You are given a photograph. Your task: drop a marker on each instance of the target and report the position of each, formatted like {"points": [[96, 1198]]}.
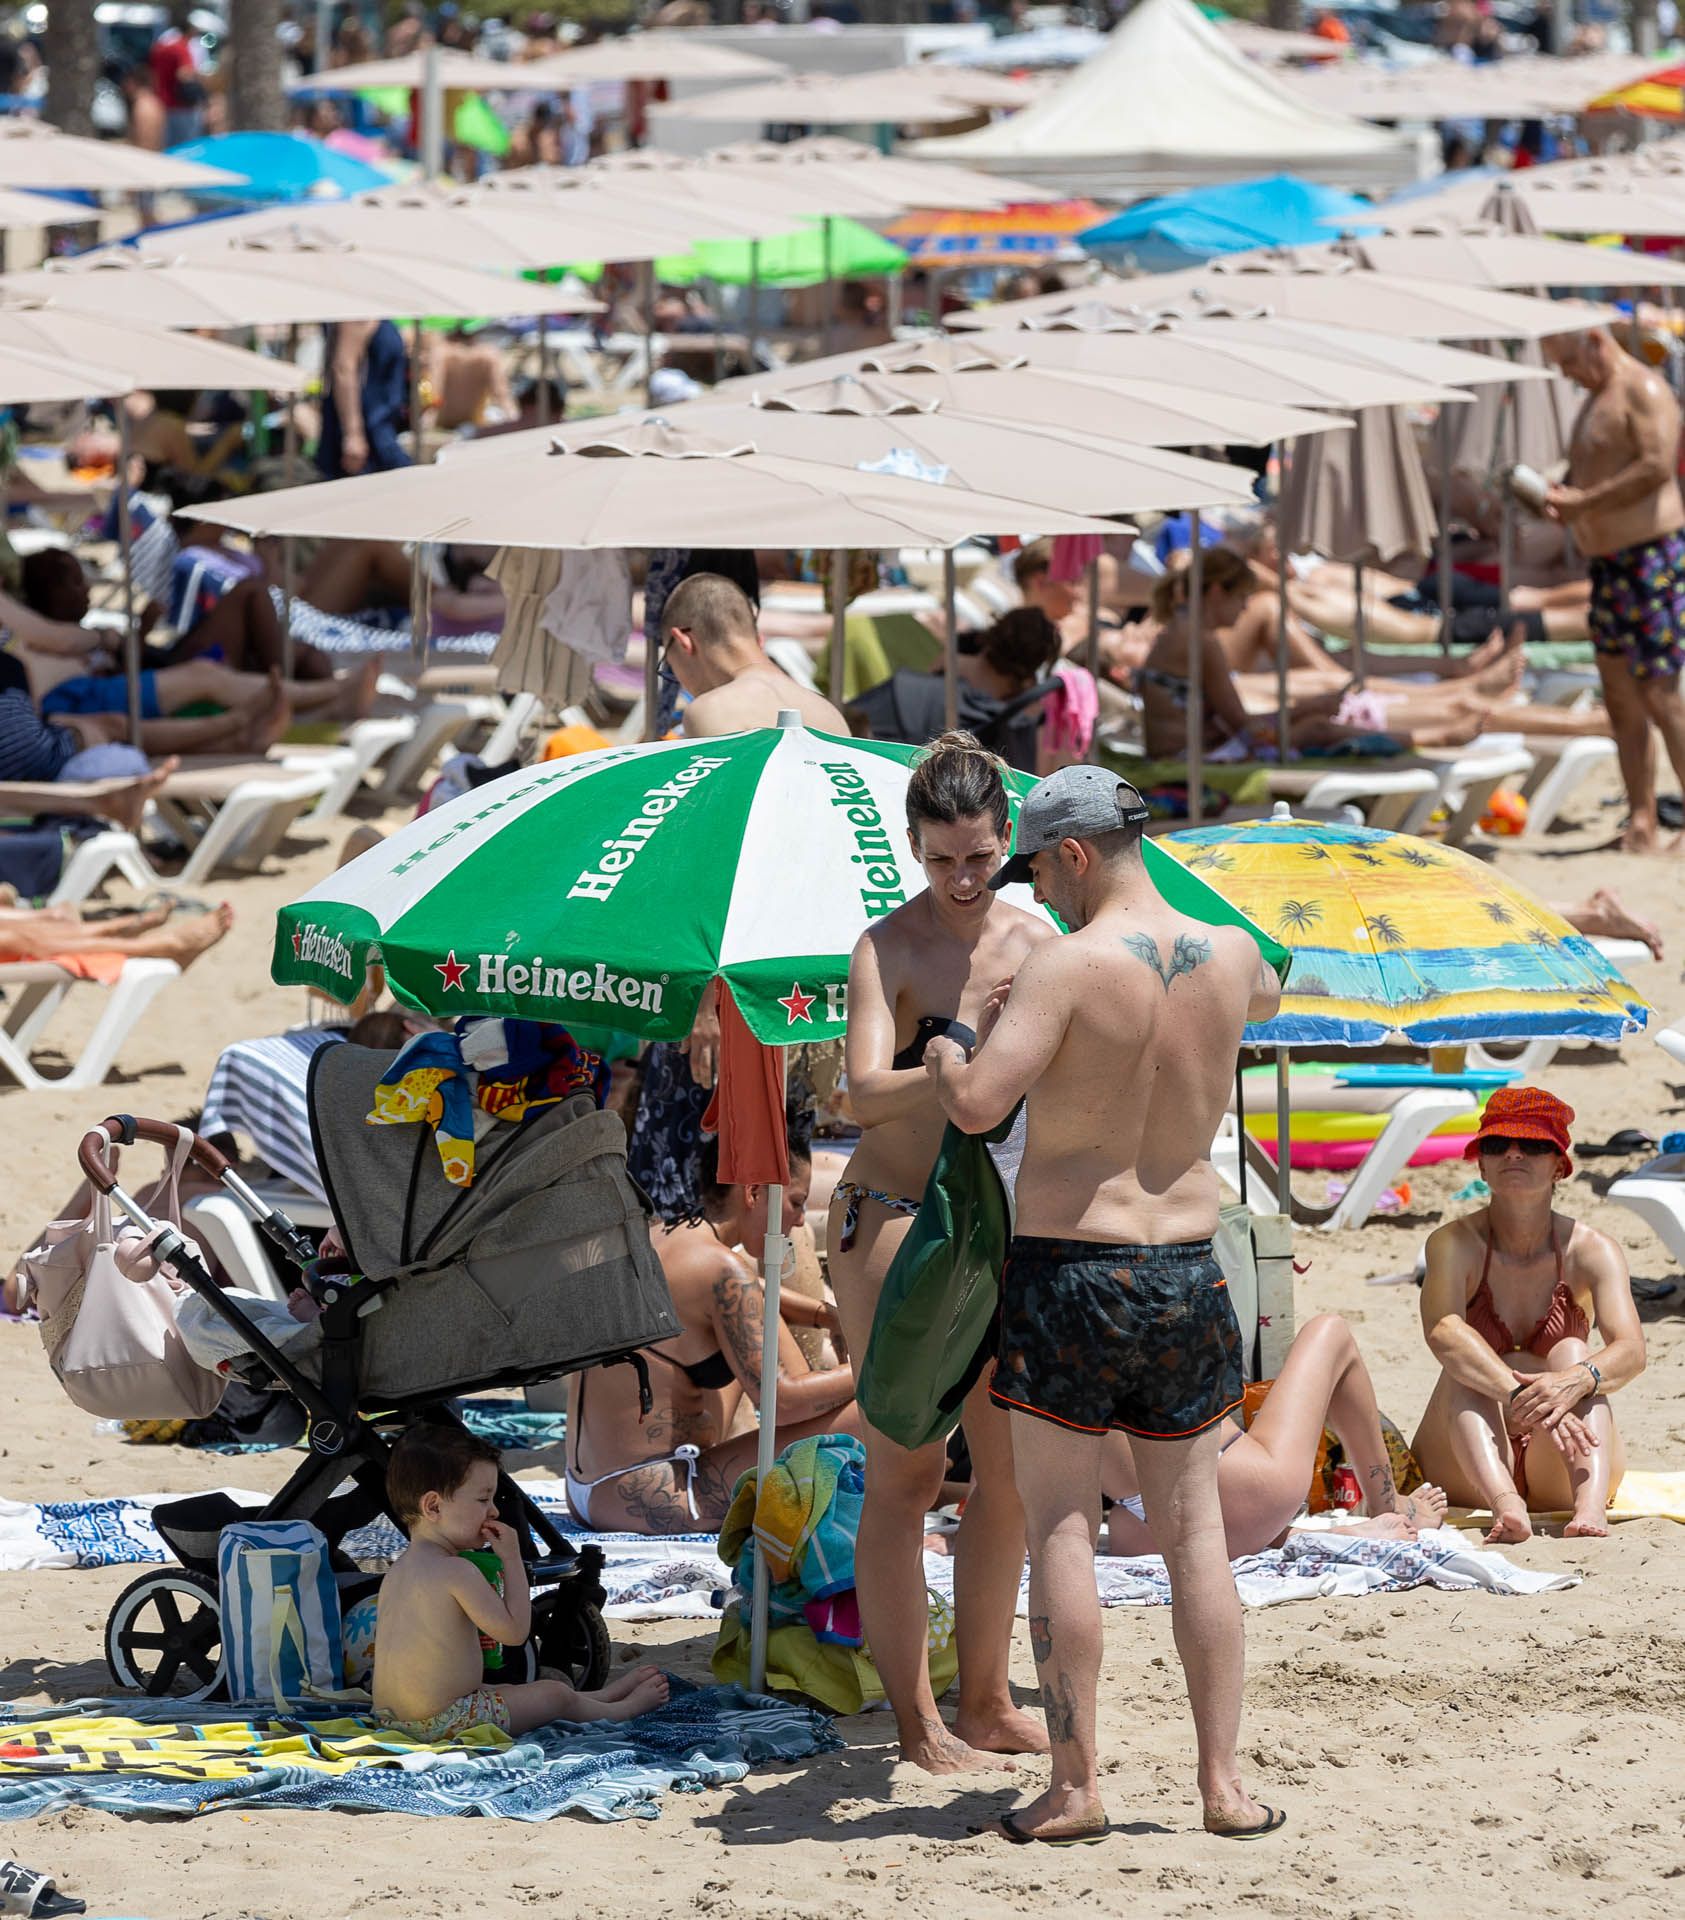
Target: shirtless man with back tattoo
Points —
{"points": [[1624, 510], [1114, 1313]]}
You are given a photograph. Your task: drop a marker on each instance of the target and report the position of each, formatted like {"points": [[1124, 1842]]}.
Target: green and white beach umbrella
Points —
{"points": [[610, 888]]}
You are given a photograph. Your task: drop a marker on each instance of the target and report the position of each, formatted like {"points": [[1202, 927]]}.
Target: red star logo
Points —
{"points": [[298, 941], [798, 1005], [452, 970]]}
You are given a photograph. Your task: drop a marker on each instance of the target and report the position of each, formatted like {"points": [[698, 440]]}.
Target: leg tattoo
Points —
{"points": [[1041, 1638], [1059, 1703]]}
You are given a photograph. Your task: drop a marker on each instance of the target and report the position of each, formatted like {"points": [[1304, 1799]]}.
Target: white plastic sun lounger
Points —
{"points": [[34, 990], [1562, 765], [1656, 1192]]}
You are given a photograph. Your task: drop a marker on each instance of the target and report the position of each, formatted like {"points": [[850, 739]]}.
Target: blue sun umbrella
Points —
{"points": [[282, 166]]}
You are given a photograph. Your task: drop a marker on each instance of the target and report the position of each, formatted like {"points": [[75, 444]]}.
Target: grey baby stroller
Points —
{"points": [[541, 1267]]}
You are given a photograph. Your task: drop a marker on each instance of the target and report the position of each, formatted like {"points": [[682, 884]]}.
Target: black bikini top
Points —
{"points": [[931, 1026], [710, 1374]]}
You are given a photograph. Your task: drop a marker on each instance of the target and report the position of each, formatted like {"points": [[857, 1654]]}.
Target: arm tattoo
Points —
{"points": [[1041, 1638], [1189, 951], [737, 1315], [1059, 1703]]}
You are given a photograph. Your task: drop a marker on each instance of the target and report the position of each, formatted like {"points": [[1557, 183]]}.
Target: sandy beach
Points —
{"points": [[1438, 1754]]}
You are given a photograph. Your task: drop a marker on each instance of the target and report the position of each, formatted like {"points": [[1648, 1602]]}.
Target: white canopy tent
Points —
{"points": [[1171, 102]]}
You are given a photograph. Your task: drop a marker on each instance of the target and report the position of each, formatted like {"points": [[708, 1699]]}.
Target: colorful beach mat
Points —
{"points": [[121, 1759]]}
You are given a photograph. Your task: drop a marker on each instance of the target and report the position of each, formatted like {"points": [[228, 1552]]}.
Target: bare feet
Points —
{"points": [[1588, 1523], [936, 1749], [628, 1682], [1059, 1814], [1604, 916], [268, 718], [648, 1691], [1425, 1507], [1642, 834], [1381, 1526], [1510, 1524], [358, 690], [125, 807], [1005, 1729], [195, 934]]}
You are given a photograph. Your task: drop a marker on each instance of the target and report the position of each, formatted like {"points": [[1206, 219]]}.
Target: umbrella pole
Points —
{"points": [[418, 433], [1091, 645], [1281, 722], [1283, 1135], [754, 313], [289, 456], [126, 535], [652, 680], [1196, 671], [432, 117], [1359, 669], [777, 1250], [839, 626], [1442, 432], [950, 645], [543, 369], [827, 330], [1506, 530], [649, 331]]}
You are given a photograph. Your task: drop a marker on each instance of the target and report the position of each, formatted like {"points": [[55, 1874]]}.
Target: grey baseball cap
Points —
{"points": [[1076, 803]]}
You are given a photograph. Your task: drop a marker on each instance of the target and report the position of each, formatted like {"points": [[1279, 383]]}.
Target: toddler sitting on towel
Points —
{"points": [[437, 1609]]}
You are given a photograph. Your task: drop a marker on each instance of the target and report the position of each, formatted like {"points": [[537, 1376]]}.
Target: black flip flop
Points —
{"points": [[1274, 1821], [1021, 1838], [23, 1890]]}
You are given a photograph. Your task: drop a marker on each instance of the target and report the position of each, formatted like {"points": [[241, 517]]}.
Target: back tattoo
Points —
{"points": [[1188, 952]]}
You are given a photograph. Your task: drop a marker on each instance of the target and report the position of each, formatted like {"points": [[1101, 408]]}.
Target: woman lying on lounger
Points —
{"points": [[1264, 1471], [672, 1470], [1520, 1421]]}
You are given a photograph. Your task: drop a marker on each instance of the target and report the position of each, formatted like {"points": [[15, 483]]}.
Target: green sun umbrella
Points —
{"points": [[611, 887]]}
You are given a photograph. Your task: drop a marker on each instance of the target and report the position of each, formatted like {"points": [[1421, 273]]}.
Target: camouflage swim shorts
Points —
{"points": [[1094, 1337]]}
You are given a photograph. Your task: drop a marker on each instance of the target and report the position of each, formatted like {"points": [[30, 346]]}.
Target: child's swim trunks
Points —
{"points": [[1094, 1337], [484, 1707]]}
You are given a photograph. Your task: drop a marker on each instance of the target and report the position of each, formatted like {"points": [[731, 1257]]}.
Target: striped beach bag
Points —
{"points": [[281, 1638]]}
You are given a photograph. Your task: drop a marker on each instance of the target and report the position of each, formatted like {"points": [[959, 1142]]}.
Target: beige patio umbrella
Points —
{"points": [[33, 154], [143, 357], [23, 210], [1218, 357], [1361, 498], [28, 379], [672, 200], [648, 56], [875, 423], [1641, 206], [797, 192], [905, 185], [972, 377], [826, 100], [1483, 254], [456, 73], [649, 484]]}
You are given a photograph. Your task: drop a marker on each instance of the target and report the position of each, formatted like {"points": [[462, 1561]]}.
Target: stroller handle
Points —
{"points": [[124, 1129]]}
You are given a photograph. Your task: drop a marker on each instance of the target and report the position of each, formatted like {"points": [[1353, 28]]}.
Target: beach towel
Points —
{"points": [[258, 1089], [806, 1517], [96, 1754]]}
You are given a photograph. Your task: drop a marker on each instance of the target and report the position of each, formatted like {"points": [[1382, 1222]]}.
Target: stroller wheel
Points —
{"points": [[164, 1636], [573, 1641]]}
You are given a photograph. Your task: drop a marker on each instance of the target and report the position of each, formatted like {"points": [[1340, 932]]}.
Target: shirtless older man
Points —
{"points": [[712, 644], [1114, 1313], [1624, 509]]}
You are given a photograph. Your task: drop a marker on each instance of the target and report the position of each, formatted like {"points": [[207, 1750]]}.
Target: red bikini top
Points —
{"points": [[1564, 1317]]}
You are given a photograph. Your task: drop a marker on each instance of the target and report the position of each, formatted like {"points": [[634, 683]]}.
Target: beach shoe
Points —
{"points": [[1274, 1820], [23, 1890], [1020, 1837]]}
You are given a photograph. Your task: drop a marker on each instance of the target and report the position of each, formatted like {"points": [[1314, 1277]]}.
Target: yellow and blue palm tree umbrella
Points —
{"points": [[1396, 936]]}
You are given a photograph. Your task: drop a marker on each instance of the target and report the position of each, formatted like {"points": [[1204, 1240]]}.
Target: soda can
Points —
{"points": [[1347, 1490]]}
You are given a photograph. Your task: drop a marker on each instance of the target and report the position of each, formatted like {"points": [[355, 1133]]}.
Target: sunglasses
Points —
{"points": [[1498, 1144]]}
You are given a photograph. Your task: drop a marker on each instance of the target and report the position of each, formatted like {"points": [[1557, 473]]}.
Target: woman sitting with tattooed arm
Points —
{"points": [[673, 1470]]}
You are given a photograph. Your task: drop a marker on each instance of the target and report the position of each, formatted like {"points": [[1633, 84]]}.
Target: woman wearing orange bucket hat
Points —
{"points": [[1520, 1419]]}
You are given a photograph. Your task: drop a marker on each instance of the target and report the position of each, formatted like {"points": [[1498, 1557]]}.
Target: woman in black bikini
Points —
{"points": [[928, 968], [672, 1470]]}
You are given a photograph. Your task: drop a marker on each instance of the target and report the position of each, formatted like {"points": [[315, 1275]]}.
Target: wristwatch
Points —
{"points": [[1596, 1373]]}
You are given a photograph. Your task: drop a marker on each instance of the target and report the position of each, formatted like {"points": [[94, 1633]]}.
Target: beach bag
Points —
{"points": [[935, 1324], [281, 1639], [112, 1339]]}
